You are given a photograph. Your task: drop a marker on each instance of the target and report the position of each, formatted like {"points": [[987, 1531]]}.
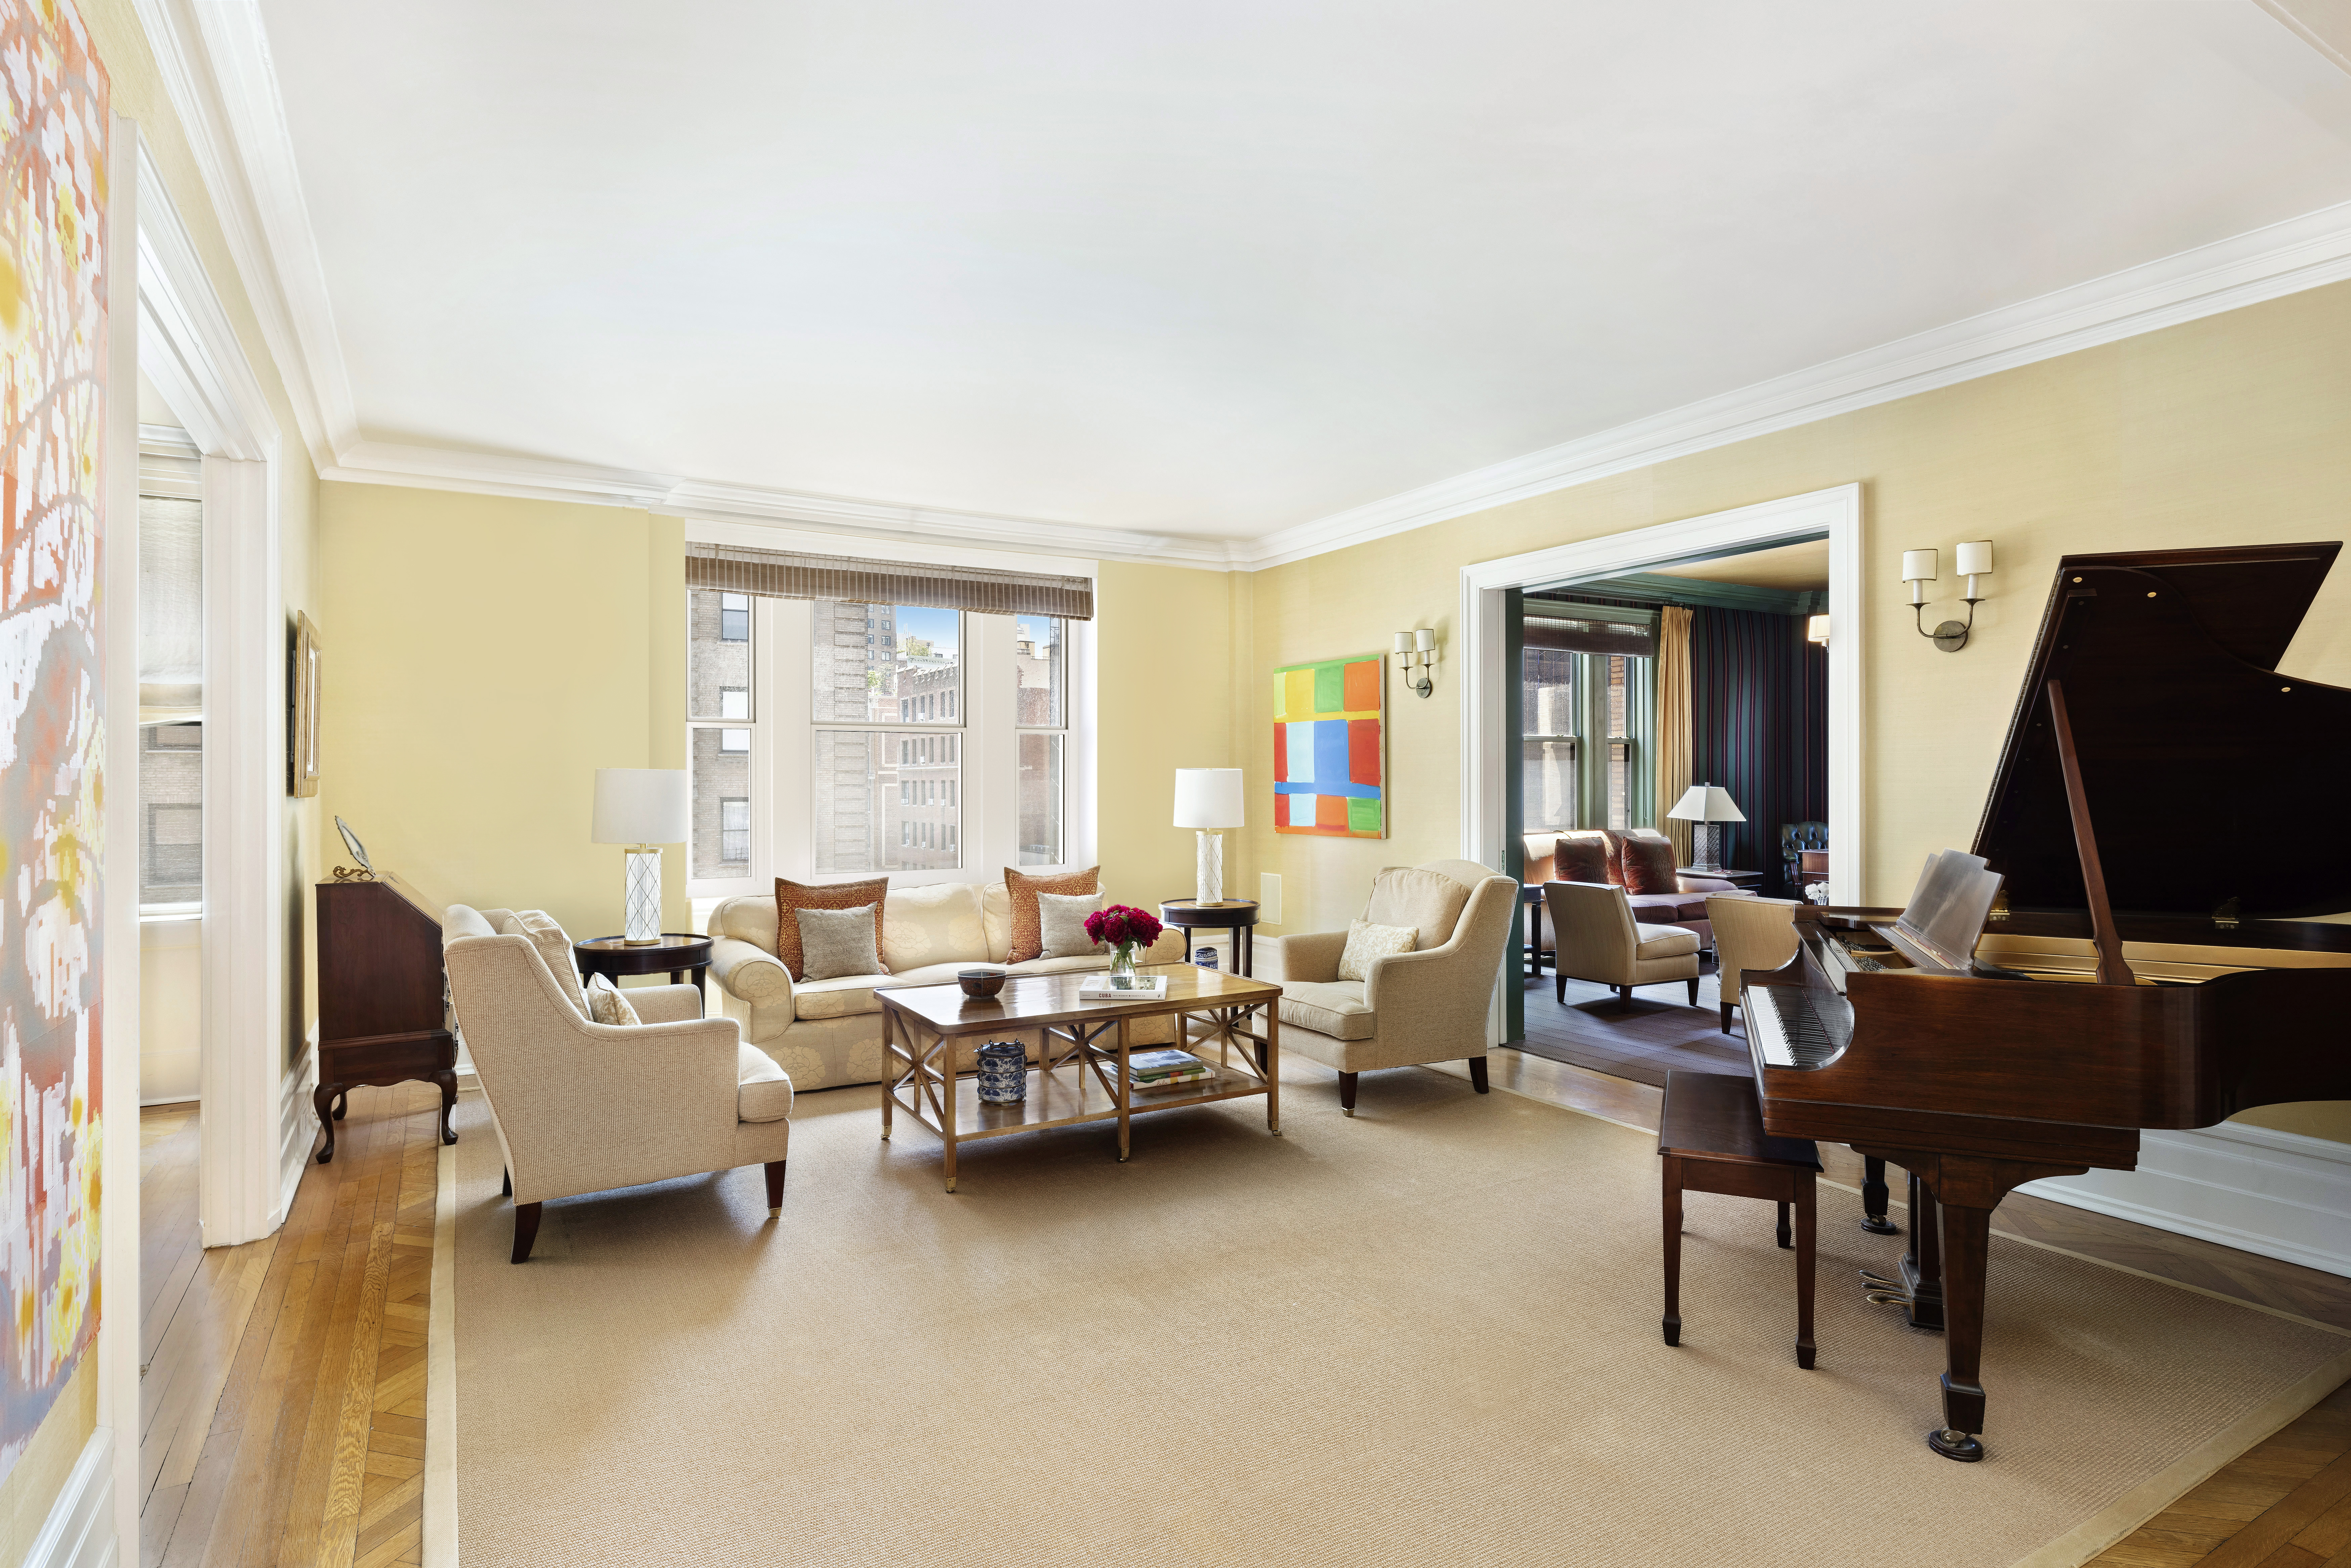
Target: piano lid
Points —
{"points": [[2210, 777]]}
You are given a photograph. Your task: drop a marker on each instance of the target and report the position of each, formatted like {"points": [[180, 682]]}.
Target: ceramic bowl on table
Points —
{"points": [[980, 984]]}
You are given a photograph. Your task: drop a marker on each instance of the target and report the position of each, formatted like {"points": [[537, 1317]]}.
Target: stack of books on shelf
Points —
{"points": [[1169, 1069]]}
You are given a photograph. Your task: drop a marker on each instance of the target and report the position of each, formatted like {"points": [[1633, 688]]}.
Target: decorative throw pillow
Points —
{"points": [[554, 949], [837, 942], [1027, 932], [1649, 866], [1062, 924], [1581, 857], [607, 1003], [1616, 837], [791, 897], [1367, 943]]}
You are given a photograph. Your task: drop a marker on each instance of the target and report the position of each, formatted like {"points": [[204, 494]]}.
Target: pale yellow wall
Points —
{"points": [[40, 1471], [484, 657], [2232, 430], [1163, 637]]}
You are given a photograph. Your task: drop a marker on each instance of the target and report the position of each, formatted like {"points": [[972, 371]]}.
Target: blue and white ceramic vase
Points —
{"points": [[1206, 958], [1003, 1073]]}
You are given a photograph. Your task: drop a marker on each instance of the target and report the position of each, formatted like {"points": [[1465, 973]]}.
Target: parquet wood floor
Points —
{"points": [[2284, 1503], [282, 1395]]}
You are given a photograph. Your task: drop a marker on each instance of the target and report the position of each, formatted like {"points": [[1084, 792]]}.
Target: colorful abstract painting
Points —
{"points": [[1329, 748], [53, 353]]}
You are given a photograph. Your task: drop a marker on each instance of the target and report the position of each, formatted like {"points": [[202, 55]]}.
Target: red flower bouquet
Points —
{"points": [[1124, 928]]}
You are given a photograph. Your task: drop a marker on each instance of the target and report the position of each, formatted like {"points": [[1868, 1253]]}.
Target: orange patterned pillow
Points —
{"points": [[1028, 926], [792, 896]]}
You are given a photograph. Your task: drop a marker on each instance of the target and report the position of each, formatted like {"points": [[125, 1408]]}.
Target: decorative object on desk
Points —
{"points": [[1207, 799], [1329, 748], [1003, 1072], [365, 872], [1919, 568], [1416, 660], [1203, 959], [1706, 805], [980, 984], [302, 734], [1125, 930], [642, 808]]}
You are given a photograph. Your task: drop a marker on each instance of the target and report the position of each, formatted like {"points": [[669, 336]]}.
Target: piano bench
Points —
{"points": [[1711, 1134]]}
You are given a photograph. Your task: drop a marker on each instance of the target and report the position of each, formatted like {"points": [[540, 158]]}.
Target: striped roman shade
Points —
{"points": [[786, 574]]}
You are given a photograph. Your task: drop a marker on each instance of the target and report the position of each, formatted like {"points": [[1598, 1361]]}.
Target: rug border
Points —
{"points": [[440, 1373]]}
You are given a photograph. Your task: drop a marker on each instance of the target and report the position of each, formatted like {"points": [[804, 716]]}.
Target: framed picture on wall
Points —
{"points": [[302, 689], [1329, 748]]}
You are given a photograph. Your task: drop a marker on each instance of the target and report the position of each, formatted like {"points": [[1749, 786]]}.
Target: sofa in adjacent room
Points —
{"points": [[1684, 905], [827, 1034]]}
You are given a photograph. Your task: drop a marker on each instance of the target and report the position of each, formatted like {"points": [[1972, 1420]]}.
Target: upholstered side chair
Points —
{"points": [[1750, 934], [584, 1107], [1599, 941], [1409, 1009]]}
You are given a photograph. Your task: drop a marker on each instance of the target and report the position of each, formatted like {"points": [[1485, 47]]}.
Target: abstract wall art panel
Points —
{"points": [[1329, 748], [53, 355]]}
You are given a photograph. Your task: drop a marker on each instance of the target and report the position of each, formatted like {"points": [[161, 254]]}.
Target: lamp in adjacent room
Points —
{"points": [[1817, 629], [1704, 806], [1207, 799], [642, 808], [1918, 569]]}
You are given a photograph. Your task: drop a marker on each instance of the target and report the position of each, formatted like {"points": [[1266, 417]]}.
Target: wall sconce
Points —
{"points": [[1918, 569], [1416, 660], [1817, 629]]}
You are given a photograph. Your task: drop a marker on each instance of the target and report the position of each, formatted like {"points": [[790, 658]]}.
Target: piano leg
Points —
{"points": [[1874, 1196], [1919, 1291], [1672, 1184], [1967, 1233]]}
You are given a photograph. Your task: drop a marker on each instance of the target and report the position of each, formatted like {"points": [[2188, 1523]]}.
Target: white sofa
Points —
{"points": [[827, 1034]]}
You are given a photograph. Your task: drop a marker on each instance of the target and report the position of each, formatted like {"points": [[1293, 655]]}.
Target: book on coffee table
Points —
{"points": [[1107, 987]]}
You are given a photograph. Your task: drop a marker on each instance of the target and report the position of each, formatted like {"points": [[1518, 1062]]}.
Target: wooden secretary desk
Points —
{"points": [[382, 998]]}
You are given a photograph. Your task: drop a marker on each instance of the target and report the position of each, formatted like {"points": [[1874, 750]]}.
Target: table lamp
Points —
{"points": [[1208, 799], [1705, 805], [642, 808]]}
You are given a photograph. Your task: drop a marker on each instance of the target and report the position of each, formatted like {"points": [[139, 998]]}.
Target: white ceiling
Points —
{"points": [[1231, 267]]}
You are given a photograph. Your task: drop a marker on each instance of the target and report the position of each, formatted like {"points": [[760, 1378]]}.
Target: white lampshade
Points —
{"points": [[1706, 803], [1816, 629], [641, 806], [1918, 565], [1975, 559], [1208, 798]]}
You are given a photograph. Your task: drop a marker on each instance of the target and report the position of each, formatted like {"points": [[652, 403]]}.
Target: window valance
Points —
{"points": [[1618, 633], [787, 574]]}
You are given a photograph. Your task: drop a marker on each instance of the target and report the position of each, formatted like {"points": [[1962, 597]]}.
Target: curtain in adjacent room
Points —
{"points": [[1759, 711], [1674, 723]]}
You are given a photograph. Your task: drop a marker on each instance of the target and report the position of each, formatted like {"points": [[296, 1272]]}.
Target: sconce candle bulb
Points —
{"points": [[1415, 659]]}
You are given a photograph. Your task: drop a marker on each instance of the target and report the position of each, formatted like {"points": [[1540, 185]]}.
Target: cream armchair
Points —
{"points": [[1601, 941], [1750, 934], [587, 1107], [1427, 1005]]}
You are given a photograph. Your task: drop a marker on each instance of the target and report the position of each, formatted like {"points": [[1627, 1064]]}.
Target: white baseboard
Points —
{"points": [[2281, 1194], [297, 1127], [79, 1531]]}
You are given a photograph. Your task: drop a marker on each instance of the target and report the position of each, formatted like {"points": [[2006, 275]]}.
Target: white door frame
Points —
{"points": [[1837, 513], [188, 348]]}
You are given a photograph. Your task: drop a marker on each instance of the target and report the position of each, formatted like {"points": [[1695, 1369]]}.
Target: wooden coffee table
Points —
{"points": [[1081, 1075]]}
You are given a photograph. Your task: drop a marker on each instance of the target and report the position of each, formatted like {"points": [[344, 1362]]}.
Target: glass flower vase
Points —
{"points": [[1122, 964]]}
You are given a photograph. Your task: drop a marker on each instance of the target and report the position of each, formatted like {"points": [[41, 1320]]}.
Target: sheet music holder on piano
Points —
{"points": [[2125, 984]]}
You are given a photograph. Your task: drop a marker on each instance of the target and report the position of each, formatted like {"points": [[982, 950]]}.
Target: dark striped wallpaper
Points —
{"points": [[1758, 727]]}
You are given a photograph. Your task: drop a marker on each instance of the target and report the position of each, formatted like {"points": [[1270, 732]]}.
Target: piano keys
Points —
{"points": [[2153, 961]]}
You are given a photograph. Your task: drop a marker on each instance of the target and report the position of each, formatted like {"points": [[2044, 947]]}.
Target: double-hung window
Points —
{"points": [[838, 734], [1587, 711]]}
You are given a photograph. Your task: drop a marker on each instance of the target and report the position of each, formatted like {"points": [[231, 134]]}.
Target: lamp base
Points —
{"points": [[1705, 857], [1208, 873], [643, 927]]}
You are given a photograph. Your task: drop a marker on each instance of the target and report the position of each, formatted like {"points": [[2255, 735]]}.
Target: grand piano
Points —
{"points": [[2155, 956]]}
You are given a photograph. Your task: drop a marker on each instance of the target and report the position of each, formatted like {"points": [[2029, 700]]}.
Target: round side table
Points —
{"points": [[1237, 916], [679, 951]]}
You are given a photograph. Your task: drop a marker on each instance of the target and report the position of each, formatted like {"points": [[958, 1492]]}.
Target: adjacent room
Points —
{"points": [[1260, 784]]}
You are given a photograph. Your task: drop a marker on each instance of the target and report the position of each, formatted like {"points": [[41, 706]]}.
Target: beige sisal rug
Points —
{"points": [[1425, 1336]]}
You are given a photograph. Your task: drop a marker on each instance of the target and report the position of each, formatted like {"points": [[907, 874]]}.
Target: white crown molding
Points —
{"points": [[216, 63], [2284, 258], [187, 346], [214, 55]]}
